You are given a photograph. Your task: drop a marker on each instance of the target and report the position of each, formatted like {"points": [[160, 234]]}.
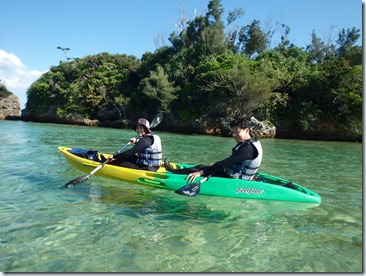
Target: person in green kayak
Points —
{"points": [[243, 162], [146, 154]]}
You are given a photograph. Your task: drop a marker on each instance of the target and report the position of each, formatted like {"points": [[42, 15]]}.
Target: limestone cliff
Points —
{"points": [[9, 107]]}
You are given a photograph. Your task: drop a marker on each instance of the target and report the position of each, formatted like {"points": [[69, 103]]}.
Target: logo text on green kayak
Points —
{"points": [[248, 191]]}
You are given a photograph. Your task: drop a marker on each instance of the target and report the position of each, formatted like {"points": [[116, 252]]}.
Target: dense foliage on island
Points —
{"points": [[213, 70], [4, 91]]}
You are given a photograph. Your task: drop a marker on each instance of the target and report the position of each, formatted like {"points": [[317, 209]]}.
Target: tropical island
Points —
{"points": [[211, 73]]}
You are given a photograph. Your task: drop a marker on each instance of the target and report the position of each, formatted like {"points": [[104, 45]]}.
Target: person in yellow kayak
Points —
{"points": [[146, 154], [243, 162]]}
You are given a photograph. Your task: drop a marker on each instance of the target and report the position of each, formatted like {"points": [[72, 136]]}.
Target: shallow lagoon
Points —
{"points": [[105, 225]]}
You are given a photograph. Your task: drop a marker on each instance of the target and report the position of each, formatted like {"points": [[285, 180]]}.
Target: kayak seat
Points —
{"points": [[87, 154], [101, 157], [259, 179], [290, 185]]}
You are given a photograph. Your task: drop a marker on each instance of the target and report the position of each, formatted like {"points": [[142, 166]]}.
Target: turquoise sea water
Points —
{"points": [[106, 225]]}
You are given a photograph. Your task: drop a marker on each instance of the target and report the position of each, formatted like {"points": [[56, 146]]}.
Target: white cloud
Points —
{"points": [[15, 75]]}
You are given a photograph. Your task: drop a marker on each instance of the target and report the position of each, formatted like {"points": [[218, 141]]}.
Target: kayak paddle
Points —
{"points": [[84, 178], [155, 122], [192, 189]]}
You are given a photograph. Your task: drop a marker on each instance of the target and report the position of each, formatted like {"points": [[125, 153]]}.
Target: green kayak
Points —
{"points": [[265, 186]]}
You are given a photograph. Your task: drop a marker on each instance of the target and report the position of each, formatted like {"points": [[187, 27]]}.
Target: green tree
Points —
{"points": [[284, 42], [82, 86], [335, 94], [213, 37], [317, 49], [290, 68], [157, 91], [4, 92], [252, 40], [346, 46], [226, 86]]}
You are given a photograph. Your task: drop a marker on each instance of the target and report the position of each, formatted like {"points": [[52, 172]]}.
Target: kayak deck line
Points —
{"points": [[151, 182], [265, 186]]}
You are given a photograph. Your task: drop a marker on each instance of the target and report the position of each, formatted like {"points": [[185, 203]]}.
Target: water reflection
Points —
{"points": [[136, 201]]}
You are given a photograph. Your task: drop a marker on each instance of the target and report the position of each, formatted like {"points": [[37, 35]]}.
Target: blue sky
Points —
{"points": [[32, 30]]}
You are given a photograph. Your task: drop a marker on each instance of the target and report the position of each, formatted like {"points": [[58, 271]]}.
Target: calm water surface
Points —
{"points": [[105, 225]]}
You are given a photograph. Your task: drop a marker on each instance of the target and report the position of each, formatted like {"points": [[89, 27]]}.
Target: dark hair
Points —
{"points": [[242, 123], [146, 129]]}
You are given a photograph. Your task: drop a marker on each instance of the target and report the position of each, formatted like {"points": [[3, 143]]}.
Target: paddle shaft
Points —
{"points": [[203, 180], [105, 162]]}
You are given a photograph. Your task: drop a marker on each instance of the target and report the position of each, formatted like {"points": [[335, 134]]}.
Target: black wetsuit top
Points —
{"points": [[245, 152], [129, 157], [142, 144]]}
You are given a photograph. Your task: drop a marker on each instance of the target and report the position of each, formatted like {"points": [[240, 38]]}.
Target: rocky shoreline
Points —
{"points": [[10, 110], [200, 126], [9, 107]]}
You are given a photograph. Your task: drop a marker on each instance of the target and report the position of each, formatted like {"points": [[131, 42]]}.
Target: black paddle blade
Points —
{"points": [[190, 189], [75, 181]]}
